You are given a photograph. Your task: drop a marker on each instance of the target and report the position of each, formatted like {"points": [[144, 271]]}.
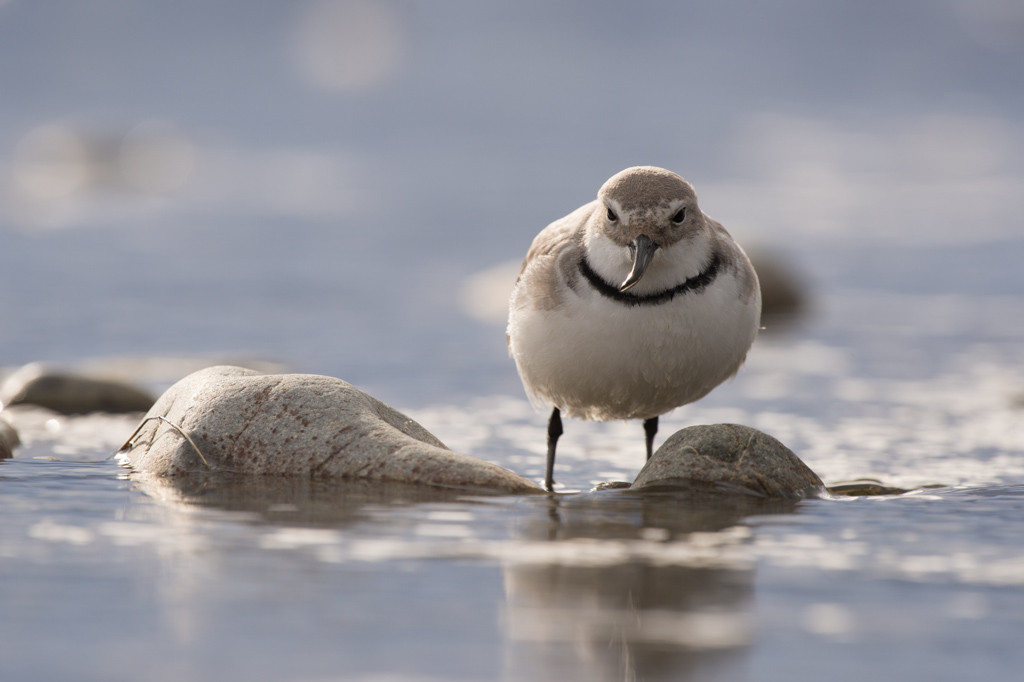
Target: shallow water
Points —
{"points": [[122, 575], [310, 208], [264, 580]]}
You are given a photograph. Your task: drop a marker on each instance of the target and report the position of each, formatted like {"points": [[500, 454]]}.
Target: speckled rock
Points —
{"points": [[67, 393], [728, 458], [304, 425], [8, 439]]}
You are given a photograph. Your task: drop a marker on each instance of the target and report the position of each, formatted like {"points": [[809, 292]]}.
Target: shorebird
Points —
{"points": [[630, 306]]}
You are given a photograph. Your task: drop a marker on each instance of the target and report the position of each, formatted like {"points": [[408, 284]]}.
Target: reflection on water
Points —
{"points": [[609, 585], [291, 501], [629, 617], [627, 621]]}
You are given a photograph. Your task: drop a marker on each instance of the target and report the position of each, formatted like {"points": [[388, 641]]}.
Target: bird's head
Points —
{"points": [[646, 208]]}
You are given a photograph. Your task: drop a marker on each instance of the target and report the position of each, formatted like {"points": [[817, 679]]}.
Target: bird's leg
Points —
{"points": [[554, 431], [650, 428]]}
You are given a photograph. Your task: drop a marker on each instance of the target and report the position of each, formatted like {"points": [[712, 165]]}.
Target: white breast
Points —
{"points": [[596, 358]]}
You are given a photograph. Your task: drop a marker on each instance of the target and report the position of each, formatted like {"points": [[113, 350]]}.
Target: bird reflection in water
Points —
{"points": [[635, 587]]}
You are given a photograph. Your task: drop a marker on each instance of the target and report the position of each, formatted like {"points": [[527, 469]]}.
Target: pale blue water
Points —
{"points": [[332, 210]]}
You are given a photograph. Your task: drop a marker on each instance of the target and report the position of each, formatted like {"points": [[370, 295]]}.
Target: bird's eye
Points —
{"points": [[611, 215], [678, 217]]}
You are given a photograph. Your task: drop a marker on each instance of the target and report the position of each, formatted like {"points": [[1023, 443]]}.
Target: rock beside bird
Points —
{"points": [[728, 458], [229, 419]]}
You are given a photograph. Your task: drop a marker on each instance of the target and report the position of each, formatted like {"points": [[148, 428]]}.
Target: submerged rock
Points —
{"points": [[67, 393], [728, 458], [236, 420], [8, 439]]}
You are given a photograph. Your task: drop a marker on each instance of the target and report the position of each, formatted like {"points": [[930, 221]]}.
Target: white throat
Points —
{"points": [[670, 266]]}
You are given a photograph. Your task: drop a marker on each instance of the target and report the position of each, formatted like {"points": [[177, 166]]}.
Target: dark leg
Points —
{"points": [[650, 428], [554, 431]]}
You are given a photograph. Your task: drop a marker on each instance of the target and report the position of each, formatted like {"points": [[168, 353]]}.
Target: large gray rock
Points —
{"points": [[304, 425], [67, 393], [728, 458]]}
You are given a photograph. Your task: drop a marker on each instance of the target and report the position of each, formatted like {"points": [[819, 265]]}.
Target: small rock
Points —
{"points": [[241, 421], [8, 439], [611, 485], [67, 393], [865, 488], [728, 458]]}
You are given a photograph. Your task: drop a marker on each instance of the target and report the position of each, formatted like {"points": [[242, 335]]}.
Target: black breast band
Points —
{"points": [[696, 283]]}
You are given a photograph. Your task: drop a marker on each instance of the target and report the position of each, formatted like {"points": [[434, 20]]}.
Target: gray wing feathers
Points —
{"points": [[552, 263]]}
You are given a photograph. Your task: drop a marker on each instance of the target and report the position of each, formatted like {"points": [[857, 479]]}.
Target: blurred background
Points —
{"points": [[347, 186]]}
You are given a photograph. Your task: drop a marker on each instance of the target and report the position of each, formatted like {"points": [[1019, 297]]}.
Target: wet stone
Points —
{"points": [[229, 419], [728, 458], [611, 485], [865, 488], [68, 393]]}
